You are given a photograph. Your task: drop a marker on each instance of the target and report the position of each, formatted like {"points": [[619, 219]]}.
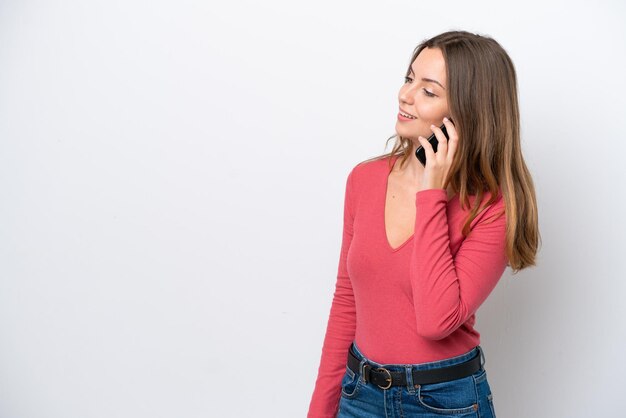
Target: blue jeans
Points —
{"points": [[468, 396]]}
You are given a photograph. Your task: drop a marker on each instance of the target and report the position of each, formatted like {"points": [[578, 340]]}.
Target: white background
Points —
{"points": [[172, 179]]}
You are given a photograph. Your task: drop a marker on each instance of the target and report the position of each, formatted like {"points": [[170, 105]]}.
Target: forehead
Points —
{"points": [[430, 63]]}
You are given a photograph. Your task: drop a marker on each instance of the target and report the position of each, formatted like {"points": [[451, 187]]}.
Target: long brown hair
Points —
{"points": [[483, 103]]}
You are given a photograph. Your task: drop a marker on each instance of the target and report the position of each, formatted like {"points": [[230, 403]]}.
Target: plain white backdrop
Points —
{"points": [[172, 179]]}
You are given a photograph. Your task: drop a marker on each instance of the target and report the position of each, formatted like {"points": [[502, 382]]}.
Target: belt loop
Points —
{"points": [[482, 357], [362, 370], [408, 369]]}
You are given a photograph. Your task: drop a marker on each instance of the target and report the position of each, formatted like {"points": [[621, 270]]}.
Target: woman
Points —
{"points": [[423, 246]]}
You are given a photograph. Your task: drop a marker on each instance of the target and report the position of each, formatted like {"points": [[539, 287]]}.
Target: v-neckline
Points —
{"points": [[386, 189]]}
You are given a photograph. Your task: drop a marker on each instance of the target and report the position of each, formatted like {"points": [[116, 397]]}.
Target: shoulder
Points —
{"points": [[363, 176], [365, 172], [492, 211]]}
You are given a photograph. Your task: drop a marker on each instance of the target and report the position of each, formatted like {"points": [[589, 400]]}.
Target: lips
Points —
{"points": [[407, 113]]}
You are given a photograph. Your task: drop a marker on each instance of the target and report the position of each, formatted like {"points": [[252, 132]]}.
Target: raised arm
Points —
{"points": [[447, 290]]}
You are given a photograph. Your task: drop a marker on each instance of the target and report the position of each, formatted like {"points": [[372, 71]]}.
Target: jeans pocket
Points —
{"points": [[454, 397], [350, 383]]}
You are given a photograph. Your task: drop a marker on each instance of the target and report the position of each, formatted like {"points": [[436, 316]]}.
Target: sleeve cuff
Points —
{"points": [[431, 195]]}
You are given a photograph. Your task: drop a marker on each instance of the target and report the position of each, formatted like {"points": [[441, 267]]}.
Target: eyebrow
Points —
{"points": [[430, 80]]}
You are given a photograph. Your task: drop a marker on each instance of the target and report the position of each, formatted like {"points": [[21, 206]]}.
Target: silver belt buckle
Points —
{"points": [[380, 369]]}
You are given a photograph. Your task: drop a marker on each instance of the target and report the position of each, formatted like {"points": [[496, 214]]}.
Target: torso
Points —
{"points": [[399, 210]]}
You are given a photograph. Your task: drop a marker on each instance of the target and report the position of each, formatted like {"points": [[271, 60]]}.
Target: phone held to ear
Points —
{"points": [[420, 153]]}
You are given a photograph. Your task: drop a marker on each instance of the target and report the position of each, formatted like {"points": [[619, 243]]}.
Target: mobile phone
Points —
{"points": [[420, 152]]}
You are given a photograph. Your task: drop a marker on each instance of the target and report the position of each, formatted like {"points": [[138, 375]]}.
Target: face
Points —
{"points": [[424, 99]]}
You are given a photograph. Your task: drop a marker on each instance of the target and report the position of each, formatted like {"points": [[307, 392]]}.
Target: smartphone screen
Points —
{"points": [[420, 153]]}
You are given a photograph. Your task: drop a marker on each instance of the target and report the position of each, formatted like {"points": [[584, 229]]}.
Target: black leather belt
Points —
{"points": [[385, 378]]}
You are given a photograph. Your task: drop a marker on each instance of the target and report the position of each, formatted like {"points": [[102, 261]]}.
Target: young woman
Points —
{"points": [[423, 246]]}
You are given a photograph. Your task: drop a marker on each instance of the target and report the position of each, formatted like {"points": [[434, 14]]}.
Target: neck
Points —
{"points": [[413, 171]]}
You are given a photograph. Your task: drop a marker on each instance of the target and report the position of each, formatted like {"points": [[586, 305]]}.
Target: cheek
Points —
{"points": [[430, 110]]}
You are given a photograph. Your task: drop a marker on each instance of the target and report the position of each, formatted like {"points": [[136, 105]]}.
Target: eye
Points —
{"points": [[426, 92]]}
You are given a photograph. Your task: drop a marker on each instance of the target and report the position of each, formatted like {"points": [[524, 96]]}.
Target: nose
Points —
{"points": [[407, 94]]}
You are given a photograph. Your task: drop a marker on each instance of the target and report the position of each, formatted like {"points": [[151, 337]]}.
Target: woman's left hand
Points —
{"points": [[438, 163]]}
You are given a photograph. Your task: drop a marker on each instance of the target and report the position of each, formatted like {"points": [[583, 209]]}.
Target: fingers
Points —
{"points": [[442, 146], [428, 149], [453, 141], [445, 147]]}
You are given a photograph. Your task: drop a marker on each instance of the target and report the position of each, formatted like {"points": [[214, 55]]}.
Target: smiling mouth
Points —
{"points": [[406, 115]]}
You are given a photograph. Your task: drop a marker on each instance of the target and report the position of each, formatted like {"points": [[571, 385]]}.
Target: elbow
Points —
{"points": [[434, 324], [431, 331]]}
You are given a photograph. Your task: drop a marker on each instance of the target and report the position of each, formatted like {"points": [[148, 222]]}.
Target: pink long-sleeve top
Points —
{"points": [[414, 303]]}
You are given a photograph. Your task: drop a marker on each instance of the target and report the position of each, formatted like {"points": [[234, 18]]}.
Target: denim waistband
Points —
{"points": [[423, 366]]}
